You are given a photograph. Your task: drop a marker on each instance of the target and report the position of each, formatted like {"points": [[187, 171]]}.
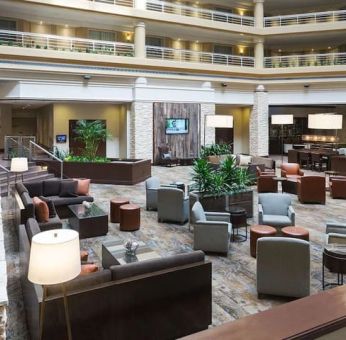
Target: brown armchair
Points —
{"points": [[165, 156], [291, 170], [337, 186], [311, 189], [266, 183]]}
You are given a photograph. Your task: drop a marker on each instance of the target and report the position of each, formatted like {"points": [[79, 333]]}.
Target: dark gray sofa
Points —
{"points": [[165, 298], [49, 189]]}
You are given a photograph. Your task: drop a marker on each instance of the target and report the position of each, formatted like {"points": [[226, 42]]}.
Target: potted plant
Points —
{"points": [[219, 189], [215, 153]]}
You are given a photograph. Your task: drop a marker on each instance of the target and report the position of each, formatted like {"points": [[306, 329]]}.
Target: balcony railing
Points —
{"points": [[189, 11], [164, 53], [67, 44], [307, 60], [127, 3], [309, 18]]}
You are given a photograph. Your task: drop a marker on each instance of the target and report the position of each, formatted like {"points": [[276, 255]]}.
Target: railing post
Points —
{"points": [[8, 184], [22, 39]]}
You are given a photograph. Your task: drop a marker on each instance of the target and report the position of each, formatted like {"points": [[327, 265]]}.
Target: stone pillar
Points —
{"points": [[140, 4], [207, 109], [259, 13], [140, 51], [259, 125], [140, 136], [259, 53]]}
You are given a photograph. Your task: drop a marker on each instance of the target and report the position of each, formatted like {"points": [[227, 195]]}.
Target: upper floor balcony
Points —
{"points": [[306, 18], [306, 60]]}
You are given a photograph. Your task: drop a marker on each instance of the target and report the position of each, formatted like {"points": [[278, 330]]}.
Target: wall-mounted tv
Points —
{"points": [[61, 138], [176, 126]]}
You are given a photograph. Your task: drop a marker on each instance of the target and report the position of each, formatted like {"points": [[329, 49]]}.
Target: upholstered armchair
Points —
{"points": [[283, 266], [337, 186], [165, 156], [291, 170], [275, 210], [211, 230], [151, 186], [311, 189], [266, 182], [172, 205], [336, 227]]}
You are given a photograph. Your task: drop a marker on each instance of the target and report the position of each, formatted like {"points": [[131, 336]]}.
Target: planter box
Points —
{"points": [[125, 171], [222, 203]]}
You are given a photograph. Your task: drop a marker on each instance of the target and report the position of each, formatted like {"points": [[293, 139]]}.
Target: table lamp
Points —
{"points": [[19, 165], [54, 259]]}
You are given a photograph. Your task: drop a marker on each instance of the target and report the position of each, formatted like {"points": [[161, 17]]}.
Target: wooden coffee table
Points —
{"points": [[90, 222], [114, 253]]}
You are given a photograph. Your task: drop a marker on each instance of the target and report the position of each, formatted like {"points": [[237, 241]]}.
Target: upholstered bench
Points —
{"points": [[256, 232]]}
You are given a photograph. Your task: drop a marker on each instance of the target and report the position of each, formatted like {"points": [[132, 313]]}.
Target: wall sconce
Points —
{"points": [[128, 36]]}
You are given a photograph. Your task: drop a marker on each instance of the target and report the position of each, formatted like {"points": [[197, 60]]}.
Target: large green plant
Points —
{"points": [[228, 178], [91, 133], [215, 150]]}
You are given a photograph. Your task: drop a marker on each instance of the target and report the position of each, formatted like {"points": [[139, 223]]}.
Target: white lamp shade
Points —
{"points": [[282, 119], [19, 164], [219, 121], [325, 121], [54, 257]]}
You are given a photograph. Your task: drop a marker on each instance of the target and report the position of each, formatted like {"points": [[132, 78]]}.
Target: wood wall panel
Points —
{"points": [[182, 145]]}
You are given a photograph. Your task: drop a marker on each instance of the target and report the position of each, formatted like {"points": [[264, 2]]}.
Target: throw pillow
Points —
{"points": [[166, 156], [244, 160], [41, 210], [68, 188], [34, 188], [88, 268], [82, 186], [51, 207]]}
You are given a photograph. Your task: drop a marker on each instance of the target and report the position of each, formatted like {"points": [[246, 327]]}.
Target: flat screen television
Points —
{"points": [[61, 138], [176, 126]]}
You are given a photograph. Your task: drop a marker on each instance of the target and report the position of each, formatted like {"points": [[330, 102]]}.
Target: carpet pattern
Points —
{"points": [[234, 276]]}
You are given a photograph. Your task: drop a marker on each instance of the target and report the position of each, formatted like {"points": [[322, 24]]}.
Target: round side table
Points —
{"points": [[115, 205], [334, 258], [256, 232], [238, 218], [296, 232], [130, 217]]}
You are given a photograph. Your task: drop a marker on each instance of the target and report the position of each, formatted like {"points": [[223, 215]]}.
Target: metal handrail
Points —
{"points": [[198, 12], [51, 155], [306, 60], [8, 178], [67, 44], [306, 18], [165, 53]]}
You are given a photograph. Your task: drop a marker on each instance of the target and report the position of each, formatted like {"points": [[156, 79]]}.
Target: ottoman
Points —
{"points": [[296, 232], [115, 204], [130, 217], [256, 232]]}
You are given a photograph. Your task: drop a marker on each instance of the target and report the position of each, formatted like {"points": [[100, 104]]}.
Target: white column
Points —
{"points": [[259, 124], [140, 4], [259, 13], [259, 53], [140, 51], [207, 109]]}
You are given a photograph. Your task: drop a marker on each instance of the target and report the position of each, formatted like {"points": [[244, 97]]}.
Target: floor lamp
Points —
{"points": [[220, 121], [325, 121], [282, 120], [19, 165], [54, 259]]}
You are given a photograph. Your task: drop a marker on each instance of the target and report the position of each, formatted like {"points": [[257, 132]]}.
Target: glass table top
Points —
{"points": [[81, 211]]}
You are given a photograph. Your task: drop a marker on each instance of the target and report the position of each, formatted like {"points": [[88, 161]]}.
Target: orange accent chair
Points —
{"points": [[291, 170], [311, 189]]}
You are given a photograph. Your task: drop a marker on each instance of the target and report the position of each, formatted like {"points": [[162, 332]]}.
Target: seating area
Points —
{"points": [[211, 232]]}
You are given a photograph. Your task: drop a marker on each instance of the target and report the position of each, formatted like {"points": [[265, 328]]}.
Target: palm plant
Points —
{"points": [[91, 133]]}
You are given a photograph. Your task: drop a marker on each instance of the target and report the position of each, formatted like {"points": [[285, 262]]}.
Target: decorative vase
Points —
{"points": [[86, 204], [131, 247]]}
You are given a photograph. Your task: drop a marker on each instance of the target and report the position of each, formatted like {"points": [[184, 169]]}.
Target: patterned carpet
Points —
{"points": [[234, 276]]}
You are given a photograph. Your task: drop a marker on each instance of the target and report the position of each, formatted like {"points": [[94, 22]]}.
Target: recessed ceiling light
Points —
{"points": [[41, 22]]}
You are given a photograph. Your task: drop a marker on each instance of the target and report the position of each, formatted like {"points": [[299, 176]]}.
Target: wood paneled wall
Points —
{"points": [[182, 145]]}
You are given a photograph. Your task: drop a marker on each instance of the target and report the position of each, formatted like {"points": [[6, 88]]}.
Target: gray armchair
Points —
{"points": [[275, 210], [151, 186], [283, 266], [211, 230], [336, 227], [172, 205]]}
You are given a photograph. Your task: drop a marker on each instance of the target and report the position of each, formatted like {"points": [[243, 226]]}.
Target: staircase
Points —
{"points": [[34, 173]]}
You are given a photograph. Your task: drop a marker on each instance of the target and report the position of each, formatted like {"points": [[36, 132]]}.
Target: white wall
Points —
{"points": [[111, 113]]}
